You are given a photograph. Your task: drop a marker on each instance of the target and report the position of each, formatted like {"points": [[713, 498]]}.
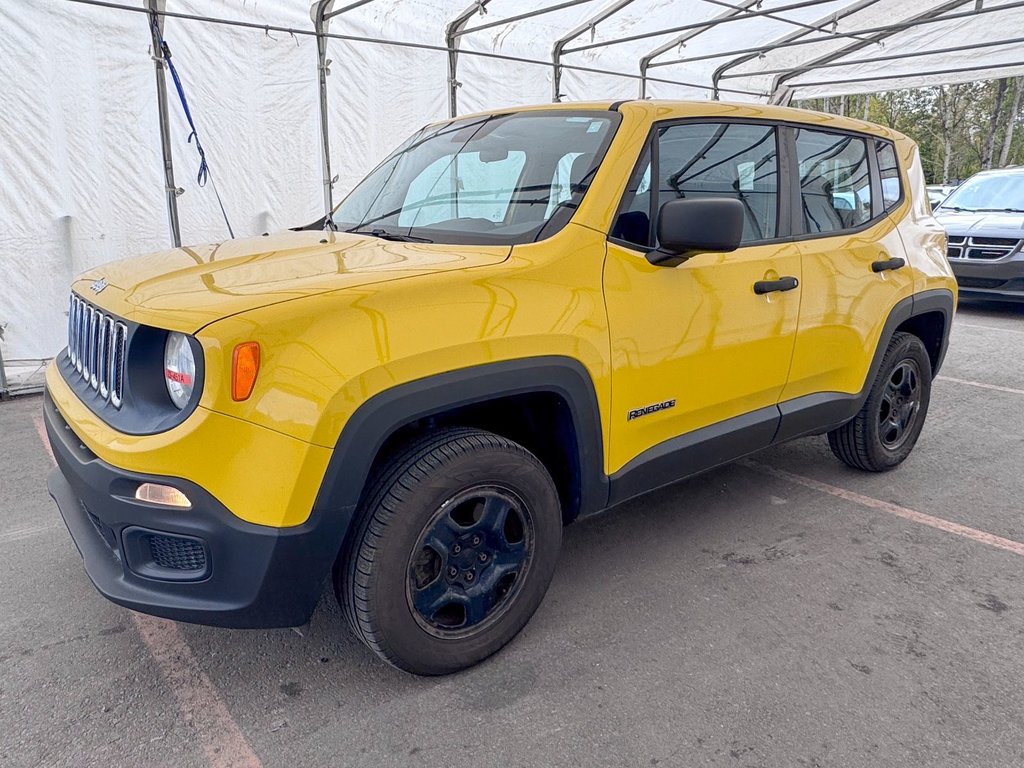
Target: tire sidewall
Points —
{"points": [[517, 471], [907, 347]]}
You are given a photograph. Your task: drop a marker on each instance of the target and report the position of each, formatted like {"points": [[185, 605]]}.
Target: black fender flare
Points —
{"points": [[823, 411], [365, 433]]}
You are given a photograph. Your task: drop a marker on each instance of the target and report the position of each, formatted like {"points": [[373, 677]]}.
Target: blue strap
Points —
{"points": [[204, 168]]}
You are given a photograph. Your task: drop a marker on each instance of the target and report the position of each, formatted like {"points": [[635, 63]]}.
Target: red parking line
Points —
{"points": [[931, 521], [199, 701]]}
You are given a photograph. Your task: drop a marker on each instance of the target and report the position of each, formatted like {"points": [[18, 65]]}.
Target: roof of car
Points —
{"points": [[667, 110]]}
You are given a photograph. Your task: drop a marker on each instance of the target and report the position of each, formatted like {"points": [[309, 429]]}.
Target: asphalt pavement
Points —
{"points": [[785, 611]]}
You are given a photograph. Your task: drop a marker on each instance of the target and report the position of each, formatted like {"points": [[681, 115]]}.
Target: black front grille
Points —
{"points": [[986, 253], [1006, 242], [176, 553], [979, 282]]}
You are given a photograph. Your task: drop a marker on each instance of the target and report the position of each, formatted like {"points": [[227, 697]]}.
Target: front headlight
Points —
{"points": [[179, 369]]}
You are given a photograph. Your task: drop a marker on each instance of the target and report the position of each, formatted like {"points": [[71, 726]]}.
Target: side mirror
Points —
{"points": [[688, 227]]}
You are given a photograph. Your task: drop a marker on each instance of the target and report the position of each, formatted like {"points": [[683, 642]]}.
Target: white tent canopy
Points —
{"points": [[82, 172]]}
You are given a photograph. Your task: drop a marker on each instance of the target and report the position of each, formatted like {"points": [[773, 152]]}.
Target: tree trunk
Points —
{"points": [[1011, 122], [947, 151], [993, 126]]}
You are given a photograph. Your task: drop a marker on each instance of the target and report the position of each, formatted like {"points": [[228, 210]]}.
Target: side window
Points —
{"points": [[701, 160], [835, 185], [470, 186], [633, 222], [889, 172]]}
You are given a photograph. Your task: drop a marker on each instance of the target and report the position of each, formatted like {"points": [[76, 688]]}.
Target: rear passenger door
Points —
{"points": [[847, 183], [693, 346]]}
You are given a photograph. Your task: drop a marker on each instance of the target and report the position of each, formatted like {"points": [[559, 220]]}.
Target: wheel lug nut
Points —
{"points": [[468, 576], [476, 540], [456, 549], [453, 572], [482, 557]]}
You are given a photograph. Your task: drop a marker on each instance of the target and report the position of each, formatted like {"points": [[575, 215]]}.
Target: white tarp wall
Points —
{"points": [[81, 177]]}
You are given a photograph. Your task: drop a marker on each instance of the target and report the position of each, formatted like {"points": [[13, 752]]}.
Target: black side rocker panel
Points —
{"points": [[718, 444]]}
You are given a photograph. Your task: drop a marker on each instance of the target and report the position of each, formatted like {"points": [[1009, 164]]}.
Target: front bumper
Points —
{"points": [[1001, 280], [203, 565]]}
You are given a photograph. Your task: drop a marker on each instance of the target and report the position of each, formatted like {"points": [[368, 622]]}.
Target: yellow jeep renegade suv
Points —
{"points": [[518, 319]]}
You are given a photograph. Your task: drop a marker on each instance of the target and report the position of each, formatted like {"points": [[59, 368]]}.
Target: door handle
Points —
{"points": [[884, 264], [770, 286]]}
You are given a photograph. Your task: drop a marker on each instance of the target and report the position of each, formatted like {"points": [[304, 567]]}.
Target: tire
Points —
{"points": [[886, 429], [455, 546]]}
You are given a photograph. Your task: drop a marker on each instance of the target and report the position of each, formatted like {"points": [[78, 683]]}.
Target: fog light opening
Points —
{"points": [[164, 495]]}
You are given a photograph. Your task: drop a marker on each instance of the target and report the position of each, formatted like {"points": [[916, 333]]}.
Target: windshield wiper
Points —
{"points": [[1001, 210], [383, 234], [957, 208]]}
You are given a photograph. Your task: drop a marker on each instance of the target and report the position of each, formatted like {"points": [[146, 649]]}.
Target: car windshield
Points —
{"points": [[500, 179], [990, 192]]}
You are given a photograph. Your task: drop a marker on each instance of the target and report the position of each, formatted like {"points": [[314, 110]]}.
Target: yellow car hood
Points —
{"points": [[187, 288]]}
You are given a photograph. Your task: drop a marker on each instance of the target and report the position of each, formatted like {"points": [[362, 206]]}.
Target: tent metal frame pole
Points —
{"points": [[779, 89], [330, 14], [559, 46], [812, 27], [795, 37], [400, 44], [697, 25], [451, 37], [685, 37], [798, 38], [321, 14], [890, 57], [154, 12], [521, 16], [906, 75], [5, 390]]}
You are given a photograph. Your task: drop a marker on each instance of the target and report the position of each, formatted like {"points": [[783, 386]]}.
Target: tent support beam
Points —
{"points": [[645, 62], [154, 10], [559, 46], [793, 38], [321, 13], [779, 86], [906, 75], [890, 57], [451, 38], [698, 25], [519, 17]]}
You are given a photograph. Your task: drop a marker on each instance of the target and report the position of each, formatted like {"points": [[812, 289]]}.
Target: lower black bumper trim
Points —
{"points": [[258, 576]]}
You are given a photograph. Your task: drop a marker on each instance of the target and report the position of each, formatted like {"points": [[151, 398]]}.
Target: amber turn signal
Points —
{"points": [[245, 365]]}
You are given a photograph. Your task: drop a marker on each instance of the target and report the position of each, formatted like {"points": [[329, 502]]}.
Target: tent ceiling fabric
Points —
{"points": [[80, 166]]}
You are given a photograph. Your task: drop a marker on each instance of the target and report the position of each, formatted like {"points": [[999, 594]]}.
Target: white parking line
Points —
{"points": [[931, 521], [200, 702], [23, 533], [981, 384], [958, 324]]}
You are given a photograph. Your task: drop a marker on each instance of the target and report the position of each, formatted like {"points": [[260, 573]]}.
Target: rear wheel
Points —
{"points": [[886, 429], [456, 546]]}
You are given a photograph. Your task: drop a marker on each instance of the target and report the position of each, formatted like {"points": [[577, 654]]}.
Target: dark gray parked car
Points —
{"points": [[984, 219]]}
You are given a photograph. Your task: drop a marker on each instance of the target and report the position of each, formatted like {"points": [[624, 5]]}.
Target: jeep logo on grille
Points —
{"points": [[98, 285]]}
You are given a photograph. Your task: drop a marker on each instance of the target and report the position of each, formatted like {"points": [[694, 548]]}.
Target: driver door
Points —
{"points": [[699, 359]]}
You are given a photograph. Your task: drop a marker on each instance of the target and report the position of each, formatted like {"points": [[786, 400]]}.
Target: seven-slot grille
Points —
{"points": [[962, 247], [96, 347]]}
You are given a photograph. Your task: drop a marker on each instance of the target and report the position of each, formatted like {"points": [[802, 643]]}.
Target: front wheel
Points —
{"points": [[886, 429], [455, 548]]}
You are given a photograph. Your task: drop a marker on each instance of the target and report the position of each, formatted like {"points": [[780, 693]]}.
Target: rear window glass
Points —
{"points": [[835, 184], [889, 172]]}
